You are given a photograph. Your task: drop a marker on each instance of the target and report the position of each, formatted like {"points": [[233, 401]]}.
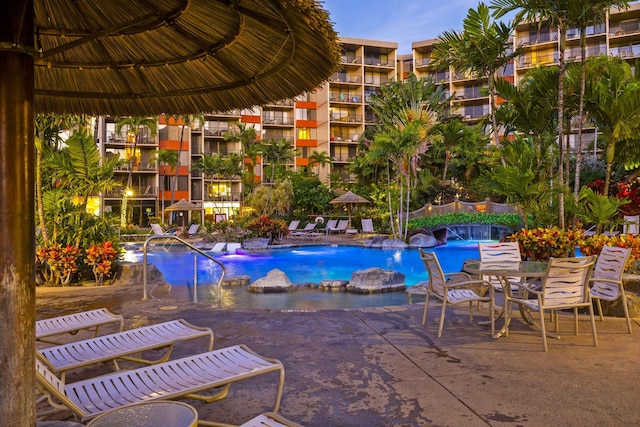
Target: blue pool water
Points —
{"points": [[303, 264]]}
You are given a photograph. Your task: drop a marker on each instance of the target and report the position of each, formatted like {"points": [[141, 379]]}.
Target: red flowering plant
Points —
{"points": [[58, 264], [623, 191], [263, 226], [539, 244], [102, 258]]}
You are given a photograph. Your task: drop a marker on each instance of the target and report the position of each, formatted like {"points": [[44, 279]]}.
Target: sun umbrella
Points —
{"points": [[128, 57], [349, 198], [183, 205]]}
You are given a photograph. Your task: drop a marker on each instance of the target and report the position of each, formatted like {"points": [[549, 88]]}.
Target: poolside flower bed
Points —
{"points": [[593, 245], [539, 244]]}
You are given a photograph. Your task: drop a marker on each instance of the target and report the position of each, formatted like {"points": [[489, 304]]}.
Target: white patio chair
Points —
{"points": [[73, 323], [631, 224], [500, 251], [606, 282], [123, 345], [293, 225], [186, 377], [193, 230], [565, 285], [367, 226], [454, 288]]}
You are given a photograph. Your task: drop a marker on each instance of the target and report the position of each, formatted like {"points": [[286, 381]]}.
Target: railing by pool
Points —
{"points": [[195, 264]]}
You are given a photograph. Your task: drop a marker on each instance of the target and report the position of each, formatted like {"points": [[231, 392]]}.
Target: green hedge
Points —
{"points": [[511, 220]]}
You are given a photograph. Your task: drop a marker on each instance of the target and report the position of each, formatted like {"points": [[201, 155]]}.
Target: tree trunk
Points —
{"points": [[561, 70], [583, 83], [17, 217], [38, 192]]}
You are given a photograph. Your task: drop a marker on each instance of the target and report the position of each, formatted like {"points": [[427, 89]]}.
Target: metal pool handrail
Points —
{"points": [[190, 246]]}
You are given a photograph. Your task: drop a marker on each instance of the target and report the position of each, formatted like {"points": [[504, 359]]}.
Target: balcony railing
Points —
{"points": [[119, 139], [378, 62], [351, 118], [342, 158], [351, 59], [376, 80], [282, 103], [345, 78], [345, 97], [354, 137], [215, 131], [227, 197], [278, 121], [146, 192]]}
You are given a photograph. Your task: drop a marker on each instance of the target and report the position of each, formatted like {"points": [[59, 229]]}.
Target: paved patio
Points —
{"points": [[381, 367]]}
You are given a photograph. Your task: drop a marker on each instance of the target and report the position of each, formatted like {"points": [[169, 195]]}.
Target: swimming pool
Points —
{"points": [[304, 264]]}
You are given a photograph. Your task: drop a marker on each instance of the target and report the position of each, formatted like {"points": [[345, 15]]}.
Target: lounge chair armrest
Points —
{"points": [[458, 274], [527, 287], [471, 284]]}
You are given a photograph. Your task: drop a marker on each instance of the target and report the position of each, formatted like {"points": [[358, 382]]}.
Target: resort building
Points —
{"points": [[330, 120]]}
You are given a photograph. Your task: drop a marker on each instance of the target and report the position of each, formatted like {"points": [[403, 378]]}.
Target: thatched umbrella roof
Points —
{"points": [[349, 198], [138, 57], [128, 57], [183, 205]]}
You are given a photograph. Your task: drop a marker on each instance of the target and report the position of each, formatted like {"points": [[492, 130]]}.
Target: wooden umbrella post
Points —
{"points": [[17, 214]]}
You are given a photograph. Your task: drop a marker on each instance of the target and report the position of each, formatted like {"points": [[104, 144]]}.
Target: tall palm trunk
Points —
{"points": [[583, 83], [38, 185], [561, 151]]}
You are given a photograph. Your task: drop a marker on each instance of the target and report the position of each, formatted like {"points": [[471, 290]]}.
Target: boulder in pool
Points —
{"points": [[394, 243], [421, 240], [376, 280], [275, 281]]}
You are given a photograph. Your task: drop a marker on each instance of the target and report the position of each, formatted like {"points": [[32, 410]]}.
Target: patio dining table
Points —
{"points": [[503, 270]]}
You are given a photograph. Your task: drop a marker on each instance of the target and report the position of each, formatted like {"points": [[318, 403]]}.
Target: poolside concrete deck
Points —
{"points": [[381, 367]]}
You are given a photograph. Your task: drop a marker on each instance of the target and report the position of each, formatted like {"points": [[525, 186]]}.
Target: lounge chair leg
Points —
{"points": [[218, 396], [444, 306], [623, 298], [544, 332]]}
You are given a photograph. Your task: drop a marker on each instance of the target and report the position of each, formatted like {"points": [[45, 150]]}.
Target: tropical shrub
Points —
{"points": [[58, 264], [538, 244], [102, 260], [263, 226], [593, 245], [511, 220]]}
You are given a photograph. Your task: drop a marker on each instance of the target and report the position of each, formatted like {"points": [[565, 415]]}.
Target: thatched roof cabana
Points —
{"points": [[127, 57]]}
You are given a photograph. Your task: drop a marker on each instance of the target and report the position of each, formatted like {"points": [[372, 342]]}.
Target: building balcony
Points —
{"points": [[146, 192], [345, 138], [345, 78], [278, 121], [351, 118]]}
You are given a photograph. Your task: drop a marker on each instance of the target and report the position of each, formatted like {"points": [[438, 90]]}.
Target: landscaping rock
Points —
{"points": [[334, 285], [422, 240], [394, 243], [132, 272], [275, 281], [256, 243], [241, 280], [376, 280]]}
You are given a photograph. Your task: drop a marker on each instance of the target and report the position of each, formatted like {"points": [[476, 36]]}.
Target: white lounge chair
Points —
{"points": [[304, 232], [367, 226], [158, 231], [109, 348], [331, 224], [219, 247], [293, 225], [341, 227], [193, 230], [186, 377], [73, 323], [231, 247], [606, 282]]}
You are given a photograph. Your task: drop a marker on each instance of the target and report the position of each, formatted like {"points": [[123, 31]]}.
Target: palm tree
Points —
{"points": [[247, 136], [453, 133], [48, 129], [483, 47], [583, 15], [276, 153], [319, 159], [612, 100], [406, 112], [83, 172], [553, 13], [186, 120], [134, 127]]}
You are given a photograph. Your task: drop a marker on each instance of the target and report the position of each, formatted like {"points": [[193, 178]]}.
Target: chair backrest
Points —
{"points": [[193, 229], [611, 263], [436, 275], [157, 230], [54, 386], [502, 251], [631, 224], [332, 223], [342, 224], [367, 225], [293, 225], [567, 280]]}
